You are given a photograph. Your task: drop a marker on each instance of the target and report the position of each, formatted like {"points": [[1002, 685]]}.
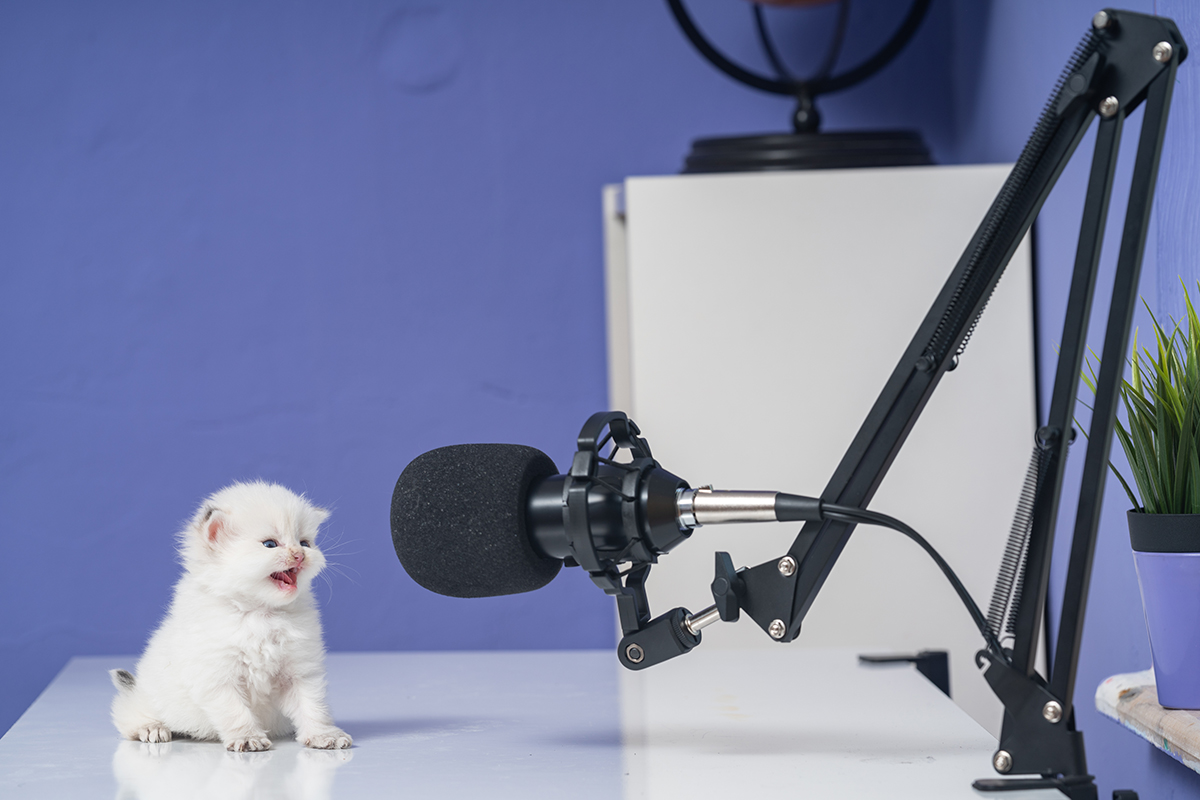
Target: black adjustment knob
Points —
{"points": [[727, 587], [1047, 436]]}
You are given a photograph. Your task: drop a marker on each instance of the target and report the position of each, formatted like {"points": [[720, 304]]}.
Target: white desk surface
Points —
{"points": [[788, 723]]}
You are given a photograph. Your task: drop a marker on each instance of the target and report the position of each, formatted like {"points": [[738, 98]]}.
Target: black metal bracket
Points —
{"points": [[1037, 738], [1075, 787], [633, 607]]}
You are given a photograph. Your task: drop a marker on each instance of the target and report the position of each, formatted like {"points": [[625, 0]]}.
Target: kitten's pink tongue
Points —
{"points": [[285, 580]]}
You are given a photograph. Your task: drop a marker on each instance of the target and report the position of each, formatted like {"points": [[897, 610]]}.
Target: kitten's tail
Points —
{"points": [[129, 711], [123, 680]]}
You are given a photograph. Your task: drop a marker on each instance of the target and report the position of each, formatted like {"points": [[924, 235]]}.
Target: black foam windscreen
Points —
{"points": [[458, 520]]}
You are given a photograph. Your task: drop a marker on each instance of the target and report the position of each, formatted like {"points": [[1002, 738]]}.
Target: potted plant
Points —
{"points": [[1161, 440]]}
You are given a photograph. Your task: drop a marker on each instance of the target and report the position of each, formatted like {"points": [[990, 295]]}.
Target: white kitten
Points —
{"points": [[239, 656]]}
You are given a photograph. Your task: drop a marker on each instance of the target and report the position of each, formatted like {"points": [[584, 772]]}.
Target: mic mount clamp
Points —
{"points": [[658, 640], [646, 494]]}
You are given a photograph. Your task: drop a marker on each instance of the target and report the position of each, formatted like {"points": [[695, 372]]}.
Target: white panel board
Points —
{"points": [[764, 314]]}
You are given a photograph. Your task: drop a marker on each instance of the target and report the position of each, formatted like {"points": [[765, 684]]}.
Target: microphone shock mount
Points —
{"points": [[648, 499]]}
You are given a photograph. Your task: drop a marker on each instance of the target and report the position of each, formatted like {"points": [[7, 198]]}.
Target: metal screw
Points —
{"points": [[635, 654], [1052, 711], [1162, 52], [1109, 106], [1002, 761], [777, 629], [1101, 20], [1046, 436], [787, 566]]}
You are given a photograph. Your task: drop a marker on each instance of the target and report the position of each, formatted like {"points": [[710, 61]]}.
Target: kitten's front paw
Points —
{"points": [[154, 732], [329, 739], [249, 744]]}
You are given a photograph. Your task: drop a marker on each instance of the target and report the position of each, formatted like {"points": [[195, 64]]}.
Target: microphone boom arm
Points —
{"points": [[1127, 60]]}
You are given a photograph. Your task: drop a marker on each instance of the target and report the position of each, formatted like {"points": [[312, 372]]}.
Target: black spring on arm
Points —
{"points": [[1002, 610], [1001, 223]]}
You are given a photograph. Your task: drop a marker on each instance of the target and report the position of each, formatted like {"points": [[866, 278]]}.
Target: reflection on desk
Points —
{"points": [[791, 722], [182, 770]]}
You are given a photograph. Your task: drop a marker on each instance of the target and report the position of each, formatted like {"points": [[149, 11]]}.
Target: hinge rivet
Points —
{"points": [[787, 566], [1162, 52], [777, 629], [1002, 761], [1052, 711], [1109, 106]]}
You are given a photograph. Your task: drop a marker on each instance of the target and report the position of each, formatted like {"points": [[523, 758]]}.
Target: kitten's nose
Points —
{"points": [[298, 556]]}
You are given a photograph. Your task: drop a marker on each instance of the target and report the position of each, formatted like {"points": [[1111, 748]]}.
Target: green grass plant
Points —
{"points": [[1161, 432]]}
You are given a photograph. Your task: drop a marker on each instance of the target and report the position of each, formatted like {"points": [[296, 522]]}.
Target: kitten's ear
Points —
{"points": [[214, 525], [320, 514]]}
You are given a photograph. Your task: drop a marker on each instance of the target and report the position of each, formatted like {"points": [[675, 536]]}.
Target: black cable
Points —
{"points": [[852, 515]]}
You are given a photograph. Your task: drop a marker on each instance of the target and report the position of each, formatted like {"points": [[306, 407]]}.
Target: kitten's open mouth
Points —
{"points": [[286, 580]]}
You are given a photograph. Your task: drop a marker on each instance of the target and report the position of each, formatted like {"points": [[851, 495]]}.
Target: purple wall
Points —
{"points": [[309, 241]]}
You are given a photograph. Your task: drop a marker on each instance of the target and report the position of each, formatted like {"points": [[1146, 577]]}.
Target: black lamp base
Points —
{"points": [[787, 151]]}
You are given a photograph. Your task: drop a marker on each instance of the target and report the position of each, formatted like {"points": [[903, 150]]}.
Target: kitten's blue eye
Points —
{"points": [[304, 543], [270, 543]]}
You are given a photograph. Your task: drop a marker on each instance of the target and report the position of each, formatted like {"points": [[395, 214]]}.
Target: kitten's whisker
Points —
{"points": [[328, 583], [340, 552], [335, 546], [338, 565], [338, 569]]}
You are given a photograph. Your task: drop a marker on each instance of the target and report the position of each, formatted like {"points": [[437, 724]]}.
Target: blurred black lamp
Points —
{"points": [[808, 147]]}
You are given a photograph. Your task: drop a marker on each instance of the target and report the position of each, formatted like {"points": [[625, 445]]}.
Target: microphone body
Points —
{"points": [[637, 518], [482, 520]]}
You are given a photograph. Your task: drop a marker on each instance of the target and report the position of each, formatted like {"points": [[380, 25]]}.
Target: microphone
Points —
{"points": [[482, 520]]}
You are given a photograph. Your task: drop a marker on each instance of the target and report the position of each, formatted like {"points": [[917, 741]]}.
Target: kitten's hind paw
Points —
{"points": [[329, 739], [153, 733], [249, 744]]}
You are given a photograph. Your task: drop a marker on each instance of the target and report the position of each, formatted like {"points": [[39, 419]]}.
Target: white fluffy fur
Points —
{"points": [[239, 658]]}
